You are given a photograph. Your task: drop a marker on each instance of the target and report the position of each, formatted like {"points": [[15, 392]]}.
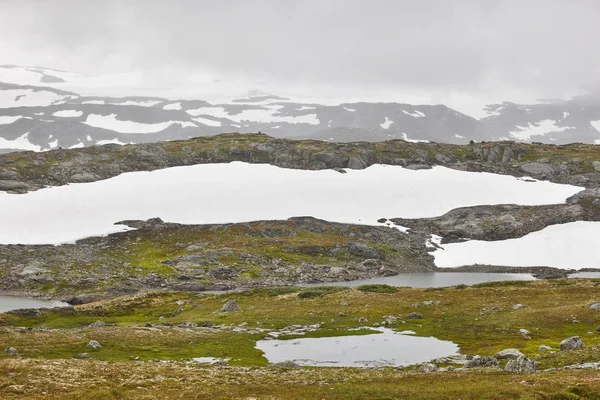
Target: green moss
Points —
{"points": [[377, 288]]}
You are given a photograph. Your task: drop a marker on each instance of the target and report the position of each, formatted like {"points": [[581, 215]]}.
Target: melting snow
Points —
{"points": [[242, 192], [172, 106], [306, 108], [208, 122], [112, 123], [5, 120], [93, 102], [386, 124], [405, 137], [349, 109], [415, 113], [111, 141], [256, 115], [21, 143], [139, 103], [540, 128], [68, 113], [29, 98], [572, 245]]}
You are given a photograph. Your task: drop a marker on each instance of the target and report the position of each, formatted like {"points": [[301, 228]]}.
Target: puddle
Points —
{"points": [[387, 348], [209, 360], [8, 303], [432, 279]]}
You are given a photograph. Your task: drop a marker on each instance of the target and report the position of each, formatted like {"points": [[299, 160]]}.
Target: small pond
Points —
{"points": [[8, 303], [433, 279], [381, 349]]}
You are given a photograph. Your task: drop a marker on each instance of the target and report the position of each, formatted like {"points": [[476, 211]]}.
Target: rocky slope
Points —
{"points": [[576, 164], [158, 255]]}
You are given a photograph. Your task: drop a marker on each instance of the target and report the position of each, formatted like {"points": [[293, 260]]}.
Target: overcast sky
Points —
{"points": [[444, 49]]}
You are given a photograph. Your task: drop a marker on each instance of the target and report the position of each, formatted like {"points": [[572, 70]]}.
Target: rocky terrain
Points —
{"points": [[164, 256], [576, 164]]}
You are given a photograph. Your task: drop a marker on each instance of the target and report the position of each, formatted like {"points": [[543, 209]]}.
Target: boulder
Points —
{"points": [[538, 169], [571, 343], [97, 324], [482, 362], [518, 306], [12, 351], [94, 344], [595, 306], [521, 364], [524, 332], [414, 315], [544, 348], [82, 356], [429, 367], [230, 306], [511, 354], [84, 177]]}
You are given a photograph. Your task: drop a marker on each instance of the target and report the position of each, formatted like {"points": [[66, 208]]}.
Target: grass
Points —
{"points": [[480, 319], [86, 379]]}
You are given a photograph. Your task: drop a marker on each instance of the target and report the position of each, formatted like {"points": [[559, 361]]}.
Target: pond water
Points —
{"points": [[432, 279], [386, 348], [585, 275], [8, 303]]}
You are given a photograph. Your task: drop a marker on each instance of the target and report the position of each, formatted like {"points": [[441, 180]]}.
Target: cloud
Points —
{"points": [[466, 46]]}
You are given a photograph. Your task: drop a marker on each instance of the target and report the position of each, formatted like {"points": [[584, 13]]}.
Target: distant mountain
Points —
{"points": [[37, 113]]}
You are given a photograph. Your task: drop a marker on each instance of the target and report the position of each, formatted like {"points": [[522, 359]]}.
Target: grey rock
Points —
{"points": [[82, 356], [524, 332], [429, 367], [538, 169], [520, 364], [595, 306], [543, 348], [287, 365], [362, 320], [84, 177], [482, 362], [97, 324], [571, 343], [230, 306], [188, 324], [11, 351], [414, 315], [512, 354], [518, 306], [94, 344], [596, 165], [364, 251]]}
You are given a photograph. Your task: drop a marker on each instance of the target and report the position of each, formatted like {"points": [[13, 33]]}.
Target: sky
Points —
{"points": [[463, 53]]}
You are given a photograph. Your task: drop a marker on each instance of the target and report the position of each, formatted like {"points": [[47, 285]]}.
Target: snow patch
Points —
{"points": [[349, 109], [21, 143], [172, 106], [208, 122], [386, 124], [5, 120], [596, 125], [415, 113], [68, 113], [405, 137], [242, 192], [110, 122], [540, 128], [29, 98], [572, 245]]}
